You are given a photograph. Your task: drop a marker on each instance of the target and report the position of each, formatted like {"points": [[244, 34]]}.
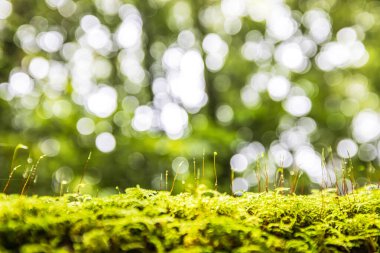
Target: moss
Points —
{"points": [[205, 221]]}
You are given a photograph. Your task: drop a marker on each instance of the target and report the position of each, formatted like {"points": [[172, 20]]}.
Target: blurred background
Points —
{"points": [[147, 86]]}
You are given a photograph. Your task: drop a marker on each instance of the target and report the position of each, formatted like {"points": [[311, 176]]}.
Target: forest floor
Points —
{"points": [[203, 221]]}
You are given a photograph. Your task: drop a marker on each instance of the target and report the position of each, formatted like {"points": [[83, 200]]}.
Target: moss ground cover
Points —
{"points": [[204, 221]]}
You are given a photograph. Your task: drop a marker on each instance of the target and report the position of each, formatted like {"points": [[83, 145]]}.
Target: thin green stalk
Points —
{"points": [[60, 188], [278, 182], [15, 152], [26, 181], [351, 173], [198, 175], [31, 176], [323, 166], [324, 162], [297, 177], [166, 179], [161, 182], [232, 179], [335, 170], [344, 173], [183, 183], [203, 164], [258, 173], [369, 171], [84, 172], [216, 177], [175, 177], [266, 173], [10, 178], [195, 173]]}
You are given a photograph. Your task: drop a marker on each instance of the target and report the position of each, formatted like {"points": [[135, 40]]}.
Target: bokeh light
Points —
{"points": [[278, 88], [143, 119], [166, 80], [20, 84], [180, 165], [239, 185], [5, 9], [347, 148], [85, 126], [298, 105], [105, 142], [367, 152], [239, 163], [50, 147], [366, 126], [102, 102], [39, 67]]}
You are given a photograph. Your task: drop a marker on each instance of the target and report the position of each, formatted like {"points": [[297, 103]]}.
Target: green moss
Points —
{"points": [[206, 221]]}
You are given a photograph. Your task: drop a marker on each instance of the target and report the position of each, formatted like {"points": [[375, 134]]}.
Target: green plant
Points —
{"points": [[207, 221], [83, 172], [14, 156], [10, 178], [215, 174], [31, 176]]}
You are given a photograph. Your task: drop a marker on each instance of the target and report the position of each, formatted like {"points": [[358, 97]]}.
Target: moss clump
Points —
{"points": [[206, 221]]}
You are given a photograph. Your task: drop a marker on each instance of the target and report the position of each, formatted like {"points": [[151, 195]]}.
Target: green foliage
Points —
{"points": [[206, 221]]}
